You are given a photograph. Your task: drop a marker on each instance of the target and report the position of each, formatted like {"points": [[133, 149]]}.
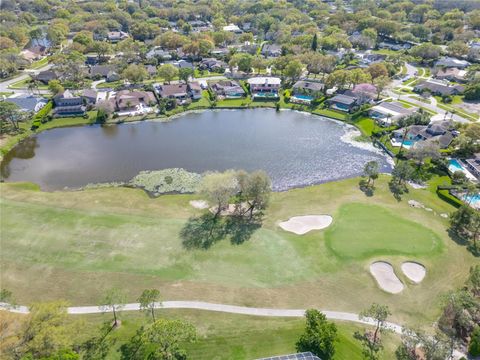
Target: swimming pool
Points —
{"points": [[473, 200], [409, 142], [454, 166], [303, 97]]}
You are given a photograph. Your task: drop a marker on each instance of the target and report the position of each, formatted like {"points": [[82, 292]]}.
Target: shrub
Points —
{"points": [[446, 99], [474, 347]]}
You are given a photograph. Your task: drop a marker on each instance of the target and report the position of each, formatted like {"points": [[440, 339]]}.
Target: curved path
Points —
{"points": [[231, 309], [200, 305]]}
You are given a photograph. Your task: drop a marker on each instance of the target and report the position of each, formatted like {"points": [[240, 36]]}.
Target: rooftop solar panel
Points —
{"points": [[298, 356]]}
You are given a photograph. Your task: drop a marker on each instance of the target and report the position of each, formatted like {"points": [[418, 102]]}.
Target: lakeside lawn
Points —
{"points": [[74, 245]]}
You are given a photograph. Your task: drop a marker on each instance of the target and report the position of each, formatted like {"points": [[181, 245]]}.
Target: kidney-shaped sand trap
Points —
{"points": [[385, 276], [414, 271], [302, 224]]}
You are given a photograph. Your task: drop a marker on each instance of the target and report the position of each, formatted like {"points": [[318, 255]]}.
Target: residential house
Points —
{"points": [[232, 28], [387, 113], [91, 60], [28, 103], [370, 58], [179, 92], [158, 53], [441, 132], [126, 100], [102, 71], [116, 36], [195, 90], [46, 76], [452, 62], [182, 64], [151, 70], [213, 65], [34, 53], [306, 91], [271, 50], [438, 87], [264, 87], [394, 46], [473, 165], [451, 74], [343, 102], [90, 96], [220, 53], [68, 104], [228, 89]]}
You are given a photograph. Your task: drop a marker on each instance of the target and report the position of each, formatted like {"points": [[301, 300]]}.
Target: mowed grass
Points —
{"points": [[74, 245], [361, 231], [232, 337]]}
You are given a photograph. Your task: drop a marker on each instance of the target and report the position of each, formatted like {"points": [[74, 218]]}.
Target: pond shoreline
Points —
{"points": [[350, 136]]}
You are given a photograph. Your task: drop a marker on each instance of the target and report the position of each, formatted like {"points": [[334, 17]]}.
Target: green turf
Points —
{"points": [[74, 245], [236, 337], [361, 231]]}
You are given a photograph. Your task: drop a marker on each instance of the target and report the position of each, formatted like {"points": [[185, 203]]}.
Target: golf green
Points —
{"points": [[361, 231]]}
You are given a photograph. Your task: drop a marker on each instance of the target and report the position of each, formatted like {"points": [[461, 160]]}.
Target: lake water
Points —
{"points": [[295, 149]]}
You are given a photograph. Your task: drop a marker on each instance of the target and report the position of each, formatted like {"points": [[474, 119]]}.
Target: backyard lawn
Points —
{"points": [[74, 245]]}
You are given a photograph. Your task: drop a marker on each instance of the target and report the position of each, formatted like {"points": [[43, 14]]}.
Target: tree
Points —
{"points": [[102, 48], [259, 63], [218, 188], [465, 224], [114, 300], [371, 341], [46, 331], [473, 281], [424, 150], [255, 189], [457, 49], [11, 114], [98, 346], [319, 337], [148, 300], [185, 74], [161, 340], [371, 171], [293, 70], [377, 70], [314, 45], [426, 52], [243, 61], [381, 83], [474, 346], [417, 345], [167, 72], [135, 73], [55, 87]]}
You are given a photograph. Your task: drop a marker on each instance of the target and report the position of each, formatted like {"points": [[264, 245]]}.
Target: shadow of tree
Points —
{"points": [[204, 231], [397, 189], [365, 188], [241, 229], [463, 241]]}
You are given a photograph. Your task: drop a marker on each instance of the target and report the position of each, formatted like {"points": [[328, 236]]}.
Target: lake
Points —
{"points": [[294, 148]]}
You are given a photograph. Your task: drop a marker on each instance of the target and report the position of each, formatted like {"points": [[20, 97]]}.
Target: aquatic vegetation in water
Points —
{"points": [[167, 181]]}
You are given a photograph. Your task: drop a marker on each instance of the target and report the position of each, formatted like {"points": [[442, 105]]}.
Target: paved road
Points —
{"points": [[4, 86]]}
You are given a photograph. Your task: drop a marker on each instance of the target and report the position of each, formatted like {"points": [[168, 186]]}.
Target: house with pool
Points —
{"points": [[388, 113], [343, 102], [441, 132], [470, 167], [264, 88], [227, 89], [304, 92]]}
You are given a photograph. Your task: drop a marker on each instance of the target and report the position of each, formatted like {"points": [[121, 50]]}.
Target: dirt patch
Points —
{"points": [[199, 204], [385, 276], [414, 271], [302, 224]]}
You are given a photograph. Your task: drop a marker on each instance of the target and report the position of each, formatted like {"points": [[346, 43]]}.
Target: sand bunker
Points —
{"points": [[199, 204], [414, 271], [385, 276], [302, 224]]}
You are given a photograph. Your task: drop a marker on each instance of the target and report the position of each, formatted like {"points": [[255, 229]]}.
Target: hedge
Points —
{"points": [[42, 116]]}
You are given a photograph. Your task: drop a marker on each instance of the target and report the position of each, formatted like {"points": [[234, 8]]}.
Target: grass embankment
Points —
{"points": [[227, 336], [74, 245]]}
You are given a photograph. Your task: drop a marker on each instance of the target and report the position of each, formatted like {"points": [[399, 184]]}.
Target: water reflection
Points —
{"points": [[295, 149]]}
